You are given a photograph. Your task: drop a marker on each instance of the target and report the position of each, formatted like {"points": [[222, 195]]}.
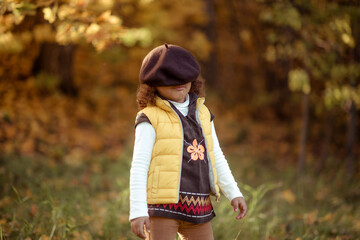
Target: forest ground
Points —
{"points": [[45, 199]]}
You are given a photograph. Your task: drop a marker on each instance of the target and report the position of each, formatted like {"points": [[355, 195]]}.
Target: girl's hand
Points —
{"points": [[137, 226], [239, 204]]}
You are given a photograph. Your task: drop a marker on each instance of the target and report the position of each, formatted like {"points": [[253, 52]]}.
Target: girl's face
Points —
{"points": [[175, 93]]}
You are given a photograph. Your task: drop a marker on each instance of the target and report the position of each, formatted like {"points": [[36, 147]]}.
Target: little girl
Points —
{"points": [[177, 161]]}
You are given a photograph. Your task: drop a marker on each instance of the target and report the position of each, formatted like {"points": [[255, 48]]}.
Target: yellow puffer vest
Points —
{"points": [[164, 174]]}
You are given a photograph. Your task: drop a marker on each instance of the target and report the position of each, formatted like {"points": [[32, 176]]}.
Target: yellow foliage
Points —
{"points": [[299, 81], [62, 127], [6, 22], [50, 14], [65, 11], [10, 43], [288, 196], [200, 45]]}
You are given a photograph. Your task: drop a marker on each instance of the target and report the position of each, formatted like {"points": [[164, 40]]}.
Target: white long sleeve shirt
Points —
{"points": [[144, 140]]}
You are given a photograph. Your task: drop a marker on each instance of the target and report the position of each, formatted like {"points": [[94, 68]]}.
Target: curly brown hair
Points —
{"points": [[146, 94]]}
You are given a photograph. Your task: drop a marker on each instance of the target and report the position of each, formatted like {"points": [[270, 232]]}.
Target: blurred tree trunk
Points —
{"points": [[211, 66], [55, 59], [351, 135], [351, 141], [327, 140], [303, 133]]}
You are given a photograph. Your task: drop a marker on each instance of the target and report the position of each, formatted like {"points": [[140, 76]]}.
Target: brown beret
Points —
{"points": [[168, 65]]}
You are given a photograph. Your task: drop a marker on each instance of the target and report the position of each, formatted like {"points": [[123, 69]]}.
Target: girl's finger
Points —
{"points": [[147, 225], [142, 234]]}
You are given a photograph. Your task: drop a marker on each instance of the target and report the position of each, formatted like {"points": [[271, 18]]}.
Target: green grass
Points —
{"points": [[44, 199]]}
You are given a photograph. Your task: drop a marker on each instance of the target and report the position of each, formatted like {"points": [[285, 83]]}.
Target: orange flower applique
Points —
{"points": [[196, 151]]}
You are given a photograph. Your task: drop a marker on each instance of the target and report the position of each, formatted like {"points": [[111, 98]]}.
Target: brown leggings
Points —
{"points": [[166, 229]]}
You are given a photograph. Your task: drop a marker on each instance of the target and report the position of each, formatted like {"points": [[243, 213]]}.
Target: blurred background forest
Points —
{"points": [[282, 78]]}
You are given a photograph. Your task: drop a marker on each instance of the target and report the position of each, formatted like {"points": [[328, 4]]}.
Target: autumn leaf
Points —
{"points": [[104, 17], [299, 81], [288, 196], [50, 14]]}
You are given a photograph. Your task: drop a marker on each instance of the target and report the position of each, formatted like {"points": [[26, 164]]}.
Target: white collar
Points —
{"points": [[181, 105]]}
